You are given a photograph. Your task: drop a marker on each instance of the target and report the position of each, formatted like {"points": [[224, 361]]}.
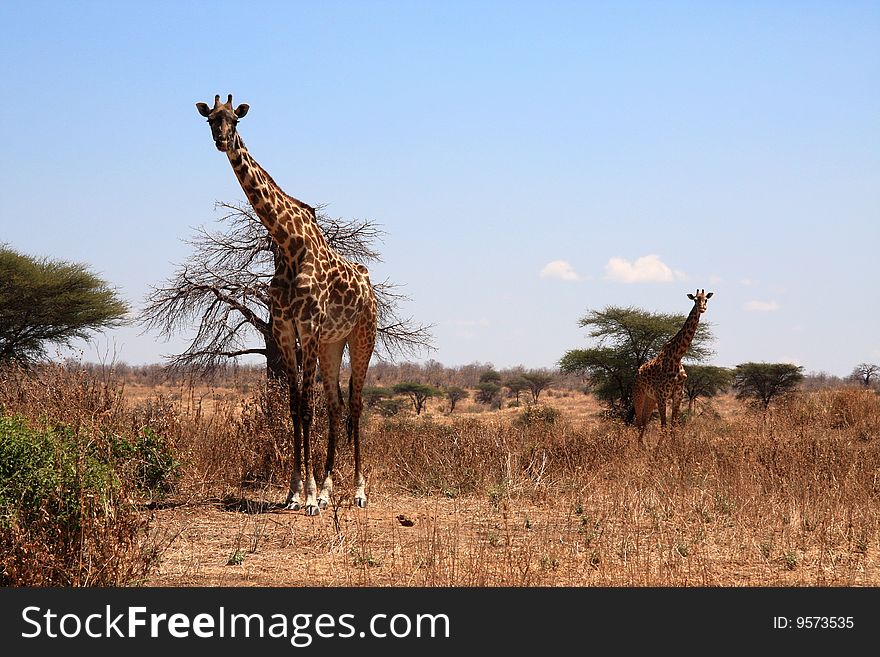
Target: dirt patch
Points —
{"points": [[477, 542]]}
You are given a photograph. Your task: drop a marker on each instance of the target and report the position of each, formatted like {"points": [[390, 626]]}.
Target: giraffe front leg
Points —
{"points": [[312, 508], [360, 492], [329, 361], [326, 492], [295, 493], [310, 363], [677, 396], [311, 489], [661, 408]]}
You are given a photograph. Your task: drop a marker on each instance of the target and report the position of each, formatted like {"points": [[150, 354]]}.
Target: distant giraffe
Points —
{"points": [[661, 379], [317, 297]]}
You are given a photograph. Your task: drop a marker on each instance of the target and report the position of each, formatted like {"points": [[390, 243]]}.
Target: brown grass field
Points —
{"points": [[733, 497]]}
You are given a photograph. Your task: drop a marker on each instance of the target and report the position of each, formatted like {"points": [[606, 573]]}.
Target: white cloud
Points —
{"points": [[560, 269], [761, 306], [647, 269]]}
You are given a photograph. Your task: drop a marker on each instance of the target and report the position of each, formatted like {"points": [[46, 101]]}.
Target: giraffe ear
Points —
{"points": [[241, 110], [203, 109], [709, 296], [691, 297]]}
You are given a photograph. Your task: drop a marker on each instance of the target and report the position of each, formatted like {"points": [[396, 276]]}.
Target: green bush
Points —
{"points": [[65, 514], [534, 415], [47, 473], [149, 461]]}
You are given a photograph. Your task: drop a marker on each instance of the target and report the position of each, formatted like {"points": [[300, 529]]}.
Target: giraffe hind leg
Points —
{"points": [[644, 406], [360, 350], [353, 431]]}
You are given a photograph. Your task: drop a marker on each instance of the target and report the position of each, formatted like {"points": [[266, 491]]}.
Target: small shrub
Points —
{"points": [[236, 558], [534, 415], [390, 407], [151, 462], [65, 519]]}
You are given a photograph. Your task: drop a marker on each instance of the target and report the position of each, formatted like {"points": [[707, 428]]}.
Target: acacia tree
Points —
{"points": [[516, 385], [489, 388], [490, 376], [418, 393], [536, 382], [488, 392], [625, 339], [705, 381], [454, 394], [50, 302], [765, 382], [374, 395], [223, 289], [864, 372]]}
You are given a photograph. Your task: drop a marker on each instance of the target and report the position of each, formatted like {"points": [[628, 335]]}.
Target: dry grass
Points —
{"points": [[733, 498]]}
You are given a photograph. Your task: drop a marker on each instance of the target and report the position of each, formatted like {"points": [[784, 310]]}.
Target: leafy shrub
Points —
{"points": [[65, 518], [149, 461], [534, 415], [390, 407]]}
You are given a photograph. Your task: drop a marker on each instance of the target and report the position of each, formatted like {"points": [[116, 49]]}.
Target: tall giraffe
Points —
{"points": [[661, 379], [319, 298]]}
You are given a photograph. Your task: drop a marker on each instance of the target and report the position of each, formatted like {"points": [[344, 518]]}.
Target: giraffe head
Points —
{"points": [[700, 299], [222, 120]]}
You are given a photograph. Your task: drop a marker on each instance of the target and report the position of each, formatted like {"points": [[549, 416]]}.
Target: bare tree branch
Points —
{"points": [[228, 273]]}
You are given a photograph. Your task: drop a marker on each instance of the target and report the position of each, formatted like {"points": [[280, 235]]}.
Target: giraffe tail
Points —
{"points": [[349, 425]]}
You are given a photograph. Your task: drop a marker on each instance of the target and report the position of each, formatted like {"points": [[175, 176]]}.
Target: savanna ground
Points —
{"points": [[511, 497]]}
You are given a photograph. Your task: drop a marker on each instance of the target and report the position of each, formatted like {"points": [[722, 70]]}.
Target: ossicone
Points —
{"points": [[239, 111]]}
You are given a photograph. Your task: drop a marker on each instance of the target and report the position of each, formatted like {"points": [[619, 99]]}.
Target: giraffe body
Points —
{"points": [[661, 380], [321, 303]]}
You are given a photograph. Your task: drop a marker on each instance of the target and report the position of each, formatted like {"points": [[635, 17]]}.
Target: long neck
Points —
{"points": [[291, 223], [677, 347]]}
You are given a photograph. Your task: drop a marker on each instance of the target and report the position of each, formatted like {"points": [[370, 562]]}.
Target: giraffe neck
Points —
{"points": [[677, 347], [290, 222]]}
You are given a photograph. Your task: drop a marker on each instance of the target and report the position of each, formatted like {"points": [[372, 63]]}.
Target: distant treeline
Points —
{"points": [[381, 373]]}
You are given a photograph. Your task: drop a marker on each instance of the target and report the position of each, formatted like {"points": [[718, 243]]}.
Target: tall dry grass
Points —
{"points": [[733, 497], [722, 501]]}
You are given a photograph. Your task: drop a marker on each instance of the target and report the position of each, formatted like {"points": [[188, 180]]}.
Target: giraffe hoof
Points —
{"points": [[293, 502], [322, 504], [361, 502], [312, 510]]}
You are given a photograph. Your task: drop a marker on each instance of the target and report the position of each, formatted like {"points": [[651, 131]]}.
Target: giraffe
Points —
{"points": [[662, 378], [320, 303]]}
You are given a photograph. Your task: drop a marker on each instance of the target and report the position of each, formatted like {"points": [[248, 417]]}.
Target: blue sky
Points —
{"points": [[529, 161]]}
